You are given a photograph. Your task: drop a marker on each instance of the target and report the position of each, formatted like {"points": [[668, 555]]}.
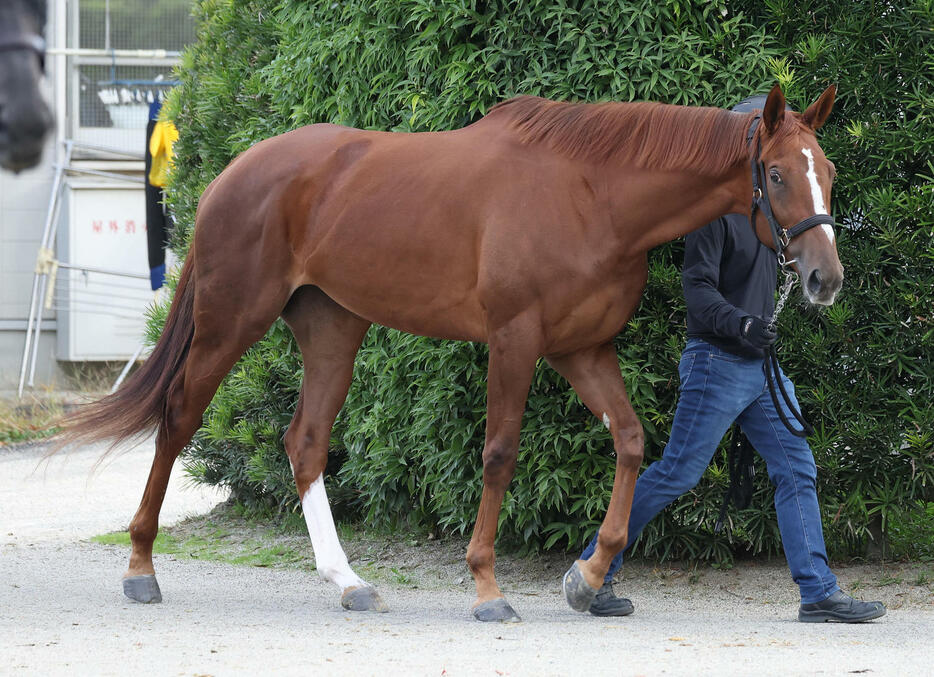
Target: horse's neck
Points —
{"points": [[650, 207]]}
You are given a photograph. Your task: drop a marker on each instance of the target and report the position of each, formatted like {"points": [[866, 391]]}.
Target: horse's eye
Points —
{"points": [[775, 176]]}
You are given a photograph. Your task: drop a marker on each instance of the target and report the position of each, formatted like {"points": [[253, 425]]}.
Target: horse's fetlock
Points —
{"points": [[478, 558], [141, 534], [611, 539], [327, 572]]}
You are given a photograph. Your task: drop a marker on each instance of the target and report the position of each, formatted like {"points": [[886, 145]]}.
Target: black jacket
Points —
{"points": [[728, 274]]}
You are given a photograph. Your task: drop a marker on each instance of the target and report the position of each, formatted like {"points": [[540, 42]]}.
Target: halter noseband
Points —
{"points": [[760, 200], [26, 41]]}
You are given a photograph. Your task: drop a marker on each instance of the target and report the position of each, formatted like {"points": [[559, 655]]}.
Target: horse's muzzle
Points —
{"points": [[23, 130], [822, 284]]}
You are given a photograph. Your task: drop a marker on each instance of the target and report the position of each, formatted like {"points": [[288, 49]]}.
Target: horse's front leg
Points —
{"points": [[513, 354], [594, 373]]}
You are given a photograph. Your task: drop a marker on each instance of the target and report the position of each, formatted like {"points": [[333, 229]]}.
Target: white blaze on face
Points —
{"points": [[329, 555], [816, 193]]}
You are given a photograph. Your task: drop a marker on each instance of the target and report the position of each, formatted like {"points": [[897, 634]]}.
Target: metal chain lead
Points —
{"points": [[790, 278]]}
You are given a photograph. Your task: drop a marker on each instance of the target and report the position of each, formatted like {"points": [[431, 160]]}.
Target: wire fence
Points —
{"points": [[134, 24], [109, 91]]}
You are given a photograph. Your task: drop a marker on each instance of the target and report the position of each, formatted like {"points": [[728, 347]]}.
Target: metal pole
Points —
{"points": [[114, 151], [104, 271], [157, 296], [107, 24], [60, 71], [32, 312], [115, 53], [51, 231], [107, 175], [34, 304], [126, 369], [38, 334]]}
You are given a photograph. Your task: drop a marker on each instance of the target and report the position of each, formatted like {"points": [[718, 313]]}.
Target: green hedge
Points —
{"points": [[407, 444]]}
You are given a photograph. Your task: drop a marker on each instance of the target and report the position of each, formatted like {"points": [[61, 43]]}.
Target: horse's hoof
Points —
{"points": [[496, 610], [577, 591], [363, 599], [143, 589]]}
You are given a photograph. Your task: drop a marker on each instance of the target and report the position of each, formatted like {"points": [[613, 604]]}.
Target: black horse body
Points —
{"points": [[25, 119]]}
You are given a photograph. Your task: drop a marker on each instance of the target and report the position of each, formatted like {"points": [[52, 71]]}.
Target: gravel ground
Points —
{"points": [[62, 610]]}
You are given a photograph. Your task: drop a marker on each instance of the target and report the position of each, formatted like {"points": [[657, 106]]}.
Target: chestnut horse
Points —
{"points": [[527, 230], [25, 119]]}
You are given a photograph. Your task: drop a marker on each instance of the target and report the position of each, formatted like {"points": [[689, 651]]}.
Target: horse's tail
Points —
{"points": [[138, 407]]}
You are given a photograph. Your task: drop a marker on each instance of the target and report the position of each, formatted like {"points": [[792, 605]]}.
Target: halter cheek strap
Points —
{"points": [[760, 201]]}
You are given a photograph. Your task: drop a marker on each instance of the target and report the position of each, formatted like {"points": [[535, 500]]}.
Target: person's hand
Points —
{"points": [[757, 332]]}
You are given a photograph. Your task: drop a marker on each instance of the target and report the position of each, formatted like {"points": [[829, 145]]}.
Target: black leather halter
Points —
{"points": [[25, 41], [760, 201], [781, 237]]}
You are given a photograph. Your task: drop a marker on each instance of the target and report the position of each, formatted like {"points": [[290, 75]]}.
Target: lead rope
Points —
{"points": [[770, 366], [740, 457], [742, 470]]}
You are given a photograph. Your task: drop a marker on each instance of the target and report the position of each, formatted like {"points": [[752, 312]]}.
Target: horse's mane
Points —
{"points": [[656, 135]]}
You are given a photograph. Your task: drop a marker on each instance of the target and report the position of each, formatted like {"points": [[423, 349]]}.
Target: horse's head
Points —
{"points": [[795, 179], [25, 119]]}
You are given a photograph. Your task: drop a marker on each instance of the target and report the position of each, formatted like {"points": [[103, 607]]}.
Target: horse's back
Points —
{"points": [[421, 232]]}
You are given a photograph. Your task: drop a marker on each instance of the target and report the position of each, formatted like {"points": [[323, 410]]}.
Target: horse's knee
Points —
{"points": [[499, 460], [630, 446], [305, 457], [630, 458]]}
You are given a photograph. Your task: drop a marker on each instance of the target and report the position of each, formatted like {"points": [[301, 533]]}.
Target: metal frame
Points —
{"points": [[47, 266], [64, 62]]}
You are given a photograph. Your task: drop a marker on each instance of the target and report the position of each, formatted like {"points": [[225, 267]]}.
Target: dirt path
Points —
{"points": [[62, 610], [75, 495]]}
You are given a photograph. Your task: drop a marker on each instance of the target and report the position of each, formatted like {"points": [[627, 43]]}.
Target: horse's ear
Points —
{"points": [[773, 113], [818, 112]]}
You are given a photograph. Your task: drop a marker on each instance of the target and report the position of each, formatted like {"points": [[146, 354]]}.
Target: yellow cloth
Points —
{"points": [[164, 134]]}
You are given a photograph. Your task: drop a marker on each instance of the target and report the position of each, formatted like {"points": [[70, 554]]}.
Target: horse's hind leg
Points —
{"points": [[217, 344], [594, 373], [329, 337]]}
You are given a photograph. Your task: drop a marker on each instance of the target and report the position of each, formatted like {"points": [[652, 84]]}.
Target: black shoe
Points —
{"points": [[606, 603], [840, 608]]}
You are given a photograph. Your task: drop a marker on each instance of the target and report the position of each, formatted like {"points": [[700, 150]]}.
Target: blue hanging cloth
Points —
{"points": [[157, 223]]}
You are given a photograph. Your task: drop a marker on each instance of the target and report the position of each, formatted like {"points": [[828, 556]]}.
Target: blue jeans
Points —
{"points": [[718, 388]]}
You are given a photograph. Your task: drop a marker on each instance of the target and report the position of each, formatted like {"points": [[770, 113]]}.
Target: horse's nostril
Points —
{"points": [[814, 281]]}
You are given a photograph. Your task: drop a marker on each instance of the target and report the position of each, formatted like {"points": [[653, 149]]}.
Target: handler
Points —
{"points": [[729, 285]]}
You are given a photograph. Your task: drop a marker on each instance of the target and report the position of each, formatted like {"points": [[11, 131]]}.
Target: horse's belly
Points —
{"points": [[393, 286], [459, 319]]}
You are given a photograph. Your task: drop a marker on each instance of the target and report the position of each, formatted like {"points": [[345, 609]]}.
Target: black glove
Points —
{"points": [[757, 332]]}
